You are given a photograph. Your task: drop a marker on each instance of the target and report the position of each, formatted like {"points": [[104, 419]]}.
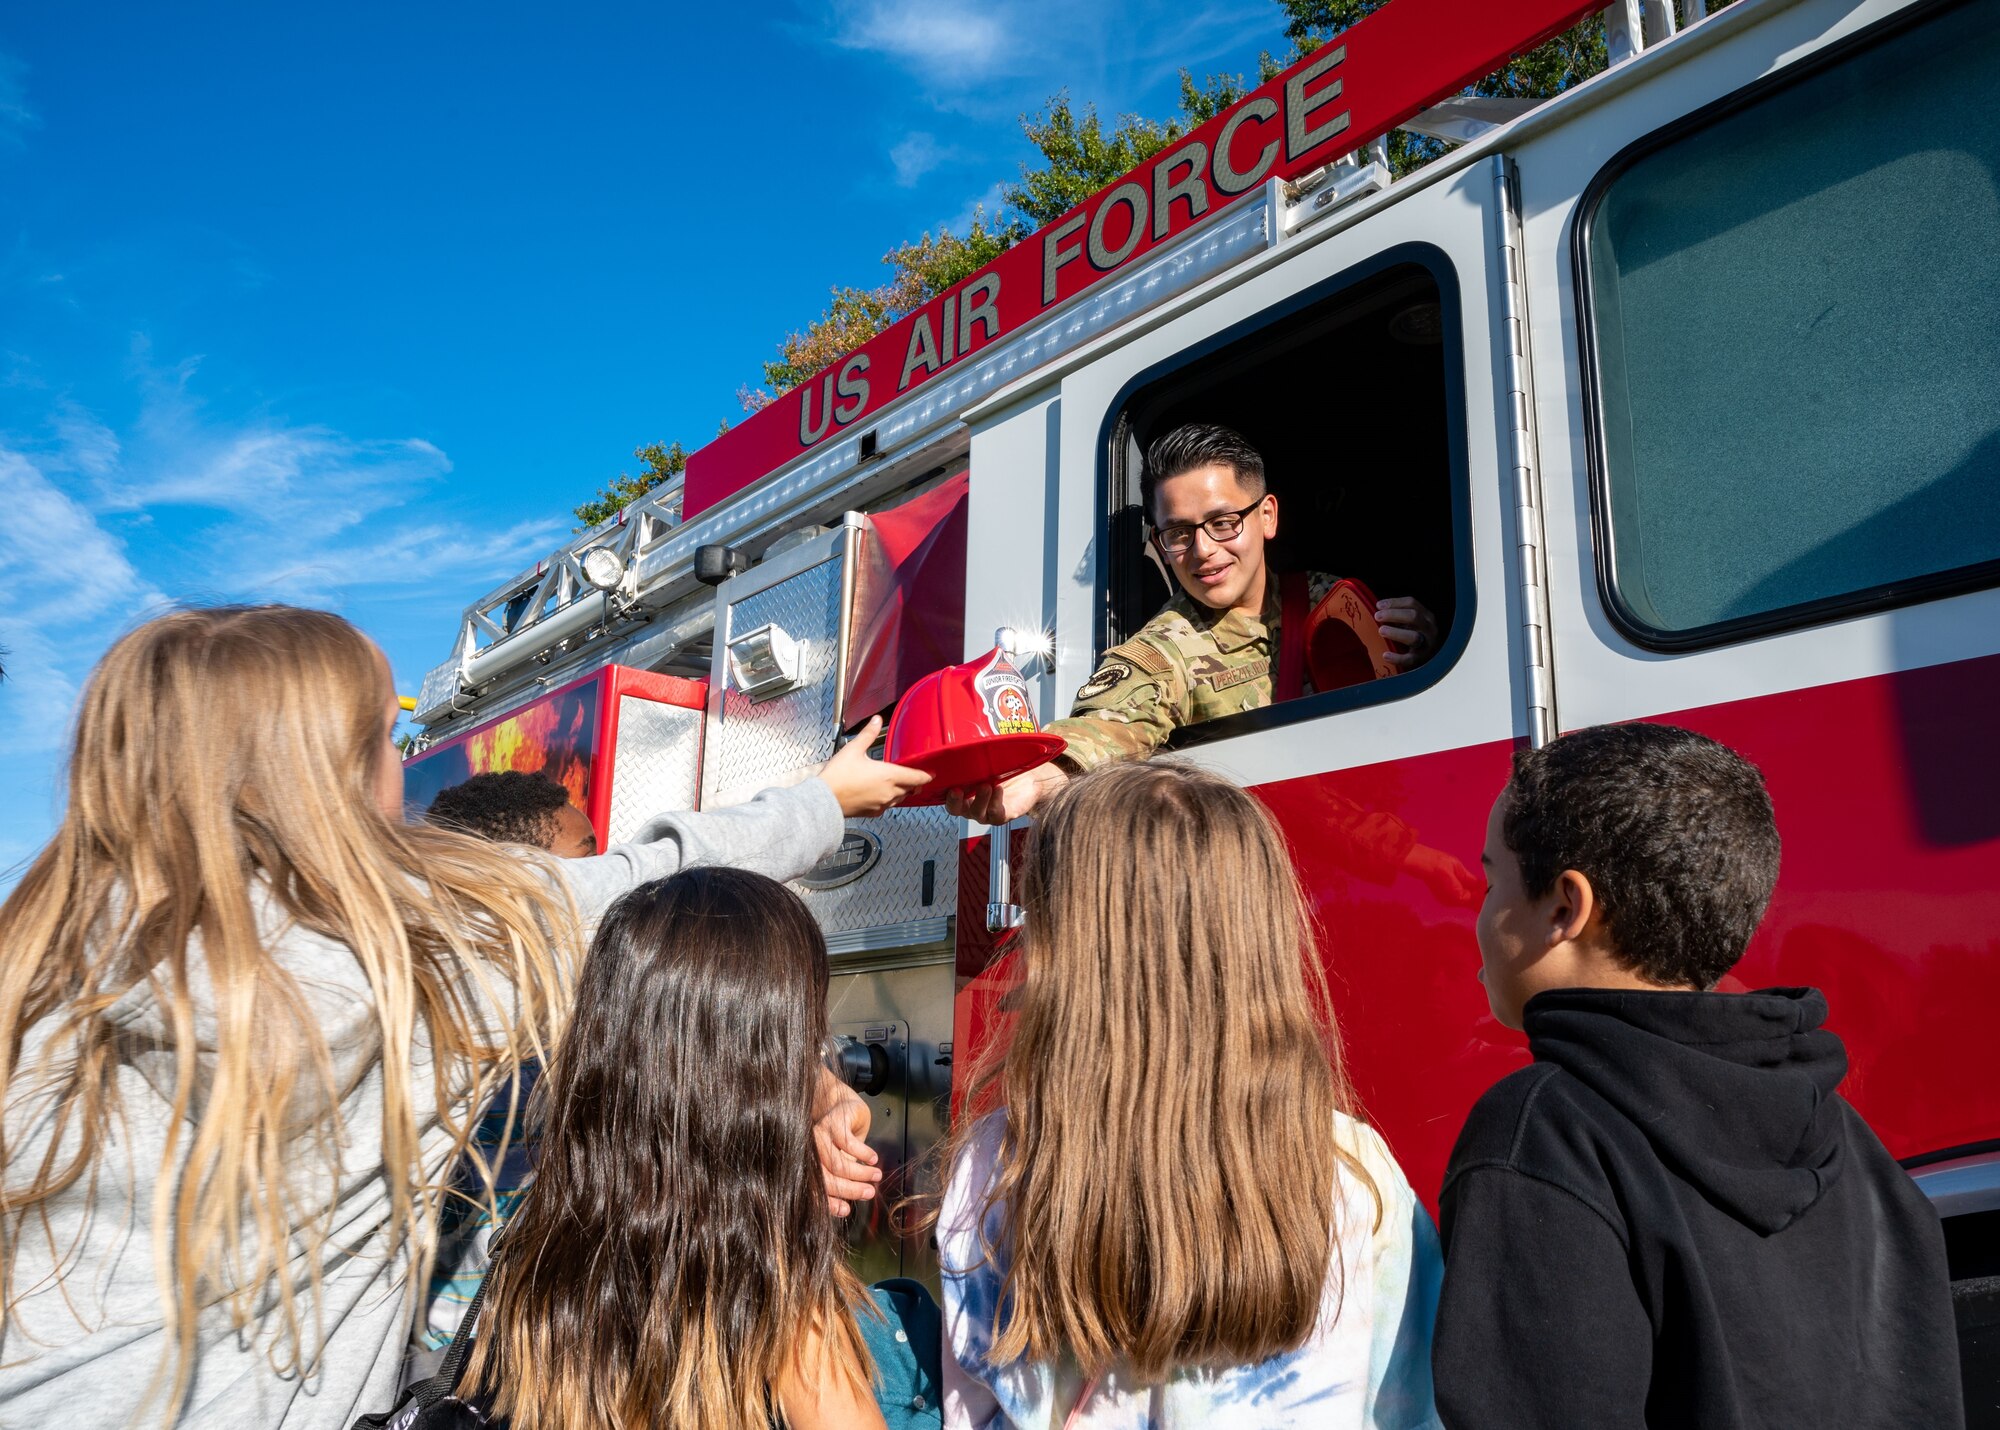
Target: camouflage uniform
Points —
{"points": [[1188, 664]]}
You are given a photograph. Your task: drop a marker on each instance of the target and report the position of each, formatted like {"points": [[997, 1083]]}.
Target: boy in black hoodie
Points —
{"points": [[1672, 1218]]}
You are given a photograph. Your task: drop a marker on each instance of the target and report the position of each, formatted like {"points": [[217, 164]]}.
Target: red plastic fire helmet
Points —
{"points": [[966, 725], [1344, 645]]}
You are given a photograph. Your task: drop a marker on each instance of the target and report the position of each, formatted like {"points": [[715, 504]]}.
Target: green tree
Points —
{"points": [[659, 462], [1541, 73], [919, 271], [1548, 69], [853, 317], [929, 266], [1079, 158]]}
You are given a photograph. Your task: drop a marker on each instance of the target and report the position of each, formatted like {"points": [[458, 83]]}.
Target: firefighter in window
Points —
{"points": [[1218, 647]]}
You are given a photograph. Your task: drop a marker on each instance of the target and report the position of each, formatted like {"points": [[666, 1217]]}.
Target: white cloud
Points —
{"points": [[299, 513], [55, 560], [917, 155], [309, 514], [999, 58], [303, 512], [949, 37], [985, 206], [252, 507], [17, 117], [416, 556], [67, 586], [283, 511], [86, 445]]}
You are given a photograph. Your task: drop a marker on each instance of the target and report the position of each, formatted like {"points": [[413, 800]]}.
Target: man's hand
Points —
{"points": [[995, 805], [1407, 622], [840, 1132], [863, 786]]}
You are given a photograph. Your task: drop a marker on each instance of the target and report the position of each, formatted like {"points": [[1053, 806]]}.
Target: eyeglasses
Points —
{"points": [[1176, 540]]}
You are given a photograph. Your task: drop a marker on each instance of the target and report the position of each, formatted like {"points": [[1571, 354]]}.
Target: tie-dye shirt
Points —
{"points": [[1368, 1367]]}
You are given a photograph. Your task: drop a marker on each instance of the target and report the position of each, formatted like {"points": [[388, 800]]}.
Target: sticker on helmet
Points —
{"points": [[1009, 709]]}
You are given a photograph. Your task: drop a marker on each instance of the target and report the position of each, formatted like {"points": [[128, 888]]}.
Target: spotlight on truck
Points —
{"points": [[765, 662], [603, 568]]}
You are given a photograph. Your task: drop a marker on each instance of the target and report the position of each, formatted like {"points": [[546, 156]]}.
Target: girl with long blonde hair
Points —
{"points": [[1174, 1217], [247, 1014]]}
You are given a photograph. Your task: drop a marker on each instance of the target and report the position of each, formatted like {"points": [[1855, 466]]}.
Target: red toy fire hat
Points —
{"points": [[1344, 645], [966, 725]]}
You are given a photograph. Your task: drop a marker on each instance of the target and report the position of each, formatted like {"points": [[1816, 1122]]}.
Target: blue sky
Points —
{"points": [[349, 305]]}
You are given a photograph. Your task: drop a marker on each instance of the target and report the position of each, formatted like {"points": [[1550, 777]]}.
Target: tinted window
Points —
{"points": [[1795, 310], [1350, 392]]}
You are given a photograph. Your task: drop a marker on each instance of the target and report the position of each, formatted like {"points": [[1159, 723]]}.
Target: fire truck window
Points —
{"points": [[1795, 310], [1346, 399]]}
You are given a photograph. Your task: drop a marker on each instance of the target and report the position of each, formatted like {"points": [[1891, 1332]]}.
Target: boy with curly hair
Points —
{"points": [[1672, 1218]]}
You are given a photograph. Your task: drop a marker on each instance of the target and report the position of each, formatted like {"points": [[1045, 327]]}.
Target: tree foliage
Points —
{"points": [[929, 266], [1548, 69], [853, 317], [660, 463], [1077, 157], [1541, 73], [918, 272]]}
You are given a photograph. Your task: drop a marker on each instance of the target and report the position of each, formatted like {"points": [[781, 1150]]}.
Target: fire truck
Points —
{"points": [[1675, 397]]}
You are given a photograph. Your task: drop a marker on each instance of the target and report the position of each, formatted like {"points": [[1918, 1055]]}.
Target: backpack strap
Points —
{"points": [[453, 1365], [1294, 591], [423, 1394]]}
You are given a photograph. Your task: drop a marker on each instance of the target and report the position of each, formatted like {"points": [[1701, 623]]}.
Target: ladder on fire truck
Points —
{"points": [[633, 589]]}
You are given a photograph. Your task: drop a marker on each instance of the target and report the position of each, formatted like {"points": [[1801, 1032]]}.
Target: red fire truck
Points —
{"points": [[1676, 397]]}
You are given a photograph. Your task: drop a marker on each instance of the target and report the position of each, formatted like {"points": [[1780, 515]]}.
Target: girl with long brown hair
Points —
{"points": [[674, 1263], [247, 1015], [1174, 1217]]}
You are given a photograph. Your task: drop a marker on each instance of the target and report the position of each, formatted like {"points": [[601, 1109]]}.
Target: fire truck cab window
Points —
{"points": [[1347, 400], [1795, 312]]}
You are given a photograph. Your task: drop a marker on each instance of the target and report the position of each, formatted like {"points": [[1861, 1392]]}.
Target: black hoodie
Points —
{"points": [[1672, 1219]]}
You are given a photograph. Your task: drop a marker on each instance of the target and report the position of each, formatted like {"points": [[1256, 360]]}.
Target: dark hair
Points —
{"points": [[507, 807], [1674, 832], [676, 1240], [1200, 444]]}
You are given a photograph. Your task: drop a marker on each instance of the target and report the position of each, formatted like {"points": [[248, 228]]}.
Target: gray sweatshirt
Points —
{"points": [[94, 1340]]}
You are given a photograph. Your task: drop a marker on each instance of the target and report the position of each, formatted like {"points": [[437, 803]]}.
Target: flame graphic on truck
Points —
{"points": [[555, 736]]}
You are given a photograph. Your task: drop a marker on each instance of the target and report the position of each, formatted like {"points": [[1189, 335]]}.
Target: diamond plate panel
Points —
{"points": [[892, 892], [440, 686], [658, 764], [754, 745]]}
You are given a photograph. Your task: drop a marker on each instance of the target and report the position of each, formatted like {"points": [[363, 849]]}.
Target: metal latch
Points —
{"points": [[1001, 912]]}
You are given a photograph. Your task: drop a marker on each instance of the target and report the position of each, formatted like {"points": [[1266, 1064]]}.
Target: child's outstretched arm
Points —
{"points": [[1539, 1322], [781, 833]]}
